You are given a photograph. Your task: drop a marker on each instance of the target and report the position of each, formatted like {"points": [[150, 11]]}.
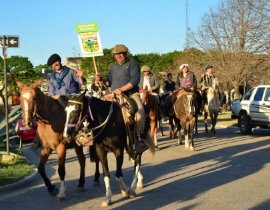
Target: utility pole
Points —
{"points": [[187, 28]]}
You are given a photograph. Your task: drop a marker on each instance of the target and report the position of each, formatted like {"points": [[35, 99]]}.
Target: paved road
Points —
{"points": [[230, 171]]}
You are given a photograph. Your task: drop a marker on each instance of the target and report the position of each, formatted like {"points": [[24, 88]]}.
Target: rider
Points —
{"points": [[151, 81], [64, 78], [185, 80], [124, 78], [98, 87], [168, 86], [206, 80]]}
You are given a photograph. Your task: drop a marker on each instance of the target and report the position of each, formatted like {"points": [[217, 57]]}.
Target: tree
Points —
{"points": [[235, 38], [18, 69]]}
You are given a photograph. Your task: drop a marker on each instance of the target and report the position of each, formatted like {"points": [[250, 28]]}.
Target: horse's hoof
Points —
{"points": [[96, 184], [132, 195], [139, 187], [192, 149], [106, 203], [54, 192], [80, 189], [125, 194], [61, 199]]}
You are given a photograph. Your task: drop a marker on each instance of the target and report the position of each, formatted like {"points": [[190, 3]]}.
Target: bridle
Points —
{"points": [[89, 113]]}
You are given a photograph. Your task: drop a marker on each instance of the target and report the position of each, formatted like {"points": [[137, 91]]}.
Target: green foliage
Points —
{"points": [[18, 69], [13, 171]]}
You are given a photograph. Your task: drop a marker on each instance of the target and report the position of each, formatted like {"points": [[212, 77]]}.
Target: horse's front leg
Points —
{"points": [[81, 159], [44, 154], [102, 156], [186, 129], [61, 151], [119, 174], [137, 181], [191, 134]]}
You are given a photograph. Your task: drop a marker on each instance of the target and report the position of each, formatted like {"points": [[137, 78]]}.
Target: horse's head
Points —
{"points": [[28, 101], [144, 95], [215, 85], [73, 110]]}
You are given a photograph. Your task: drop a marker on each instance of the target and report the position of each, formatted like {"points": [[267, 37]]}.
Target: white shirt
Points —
{"points": [[146, 82]]}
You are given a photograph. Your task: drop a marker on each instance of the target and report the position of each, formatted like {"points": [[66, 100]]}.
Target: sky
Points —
{"points": [[144, 26]]}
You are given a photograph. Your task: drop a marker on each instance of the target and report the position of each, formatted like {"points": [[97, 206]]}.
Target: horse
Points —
{"points": [[174, 122], [50, 116], [103, 125], [184, 108], [212, 107], [150, 101]]}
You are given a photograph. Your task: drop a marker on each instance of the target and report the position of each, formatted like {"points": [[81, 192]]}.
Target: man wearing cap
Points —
{"points": [[206, 81], [150, 80], [124, 78], [64, 78]]}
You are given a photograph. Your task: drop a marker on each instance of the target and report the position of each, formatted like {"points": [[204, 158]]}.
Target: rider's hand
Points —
{"points": [[118, 91], [79, 73], [202, 75]]}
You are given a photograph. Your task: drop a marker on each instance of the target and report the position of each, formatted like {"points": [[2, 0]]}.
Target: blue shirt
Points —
{"points": [[71, 83]]}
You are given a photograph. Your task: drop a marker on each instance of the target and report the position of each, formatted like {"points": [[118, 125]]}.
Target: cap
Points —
{"points": [[145, 68], [53, 58], [120, 48], [208, 67], [182, 66]]}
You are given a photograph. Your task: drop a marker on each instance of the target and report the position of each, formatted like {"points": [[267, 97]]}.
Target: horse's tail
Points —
{"points": [[92, 153], [150, 143]]}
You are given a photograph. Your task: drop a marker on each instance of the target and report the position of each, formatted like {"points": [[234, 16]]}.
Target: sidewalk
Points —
{"points": [[31, 181]]}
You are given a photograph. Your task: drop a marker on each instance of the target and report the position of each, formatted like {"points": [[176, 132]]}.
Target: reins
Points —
{"points": [[80, 121]]}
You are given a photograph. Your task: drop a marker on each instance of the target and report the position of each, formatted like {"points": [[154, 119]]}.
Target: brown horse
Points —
{"points": [[185, 111], [150, 101], [212, 107], [51, 117]]}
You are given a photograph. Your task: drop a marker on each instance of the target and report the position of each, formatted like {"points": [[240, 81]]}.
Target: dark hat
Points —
{"points": [[208, 67], [53, 58]]}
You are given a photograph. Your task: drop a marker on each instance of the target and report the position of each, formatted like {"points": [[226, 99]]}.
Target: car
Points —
{"points": [[25, 133], [254, 109]]}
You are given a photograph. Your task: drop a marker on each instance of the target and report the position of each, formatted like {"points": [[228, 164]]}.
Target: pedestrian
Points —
{"points": [[64, 78], [151, 81], [124, 78]]}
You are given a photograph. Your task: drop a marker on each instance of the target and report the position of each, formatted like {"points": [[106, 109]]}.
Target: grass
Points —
{"points": [[15, 170], [223, 119]]}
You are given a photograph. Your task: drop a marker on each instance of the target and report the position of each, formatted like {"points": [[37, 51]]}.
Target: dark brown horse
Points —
{"points": [[99, 123], [51, 117], [185, 111], [150, 101]]}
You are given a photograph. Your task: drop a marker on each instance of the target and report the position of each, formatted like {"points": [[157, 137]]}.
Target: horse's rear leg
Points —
{"points": [[44, 154], [137, 181], [205, 121], [81, 159]]}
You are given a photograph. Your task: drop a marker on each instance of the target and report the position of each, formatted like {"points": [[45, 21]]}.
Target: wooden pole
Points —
{"points": [[94, 61]]}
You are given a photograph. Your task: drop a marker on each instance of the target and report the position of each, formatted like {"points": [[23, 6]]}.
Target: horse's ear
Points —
{"points": [[146, 87], [36, 84], [68, 95], [20, 84]]}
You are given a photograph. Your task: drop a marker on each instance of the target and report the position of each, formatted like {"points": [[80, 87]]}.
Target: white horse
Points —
{"points": [[213, 106]]}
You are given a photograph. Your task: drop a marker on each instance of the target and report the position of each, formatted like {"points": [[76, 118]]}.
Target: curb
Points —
{"points": [[22, 182]]}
